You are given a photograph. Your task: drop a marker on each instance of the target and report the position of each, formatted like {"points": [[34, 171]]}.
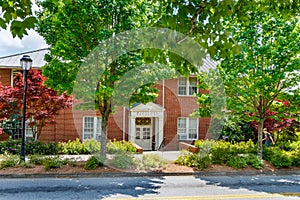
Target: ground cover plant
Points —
{"points": [[49, 155], [240, 155]]}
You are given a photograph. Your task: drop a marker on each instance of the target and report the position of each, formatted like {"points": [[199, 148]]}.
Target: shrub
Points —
{"points": [[268, 152], [42, 148], [185, 158], [245, 148], [117, 146], [36, 159], [237, 162], [51, 162], [92, 145], [296, 159], [280, 159], [123, 160], [93, 162], [203, 161], [221, 152], [254, 161], [9, 160], [151, 161], [74, 147], [200, 160], [205, 145], [10, 146]]}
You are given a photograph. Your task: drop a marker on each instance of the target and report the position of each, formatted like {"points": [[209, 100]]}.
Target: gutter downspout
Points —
{"points": [[123, 123]]}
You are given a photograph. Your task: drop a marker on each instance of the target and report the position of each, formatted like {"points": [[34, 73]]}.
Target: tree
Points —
{"points": [[17, 14], [203, 20], [266, 70], [43, 103], [281, 119], [74, 28]]}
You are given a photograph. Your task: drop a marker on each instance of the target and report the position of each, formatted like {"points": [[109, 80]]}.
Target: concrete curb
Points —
{"points": [[151, 174]]}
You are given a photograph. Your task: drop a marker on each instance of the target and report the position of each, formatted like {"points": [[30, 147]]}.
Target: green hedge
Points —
{"points": [[74, 147], [242, 154]]}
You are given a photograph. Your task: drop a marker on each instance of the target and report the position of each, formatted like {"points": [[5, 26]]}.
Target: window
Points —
{"points": [[29, 132], [91, 128], [14, 73], [187, 86], [187, 128]]}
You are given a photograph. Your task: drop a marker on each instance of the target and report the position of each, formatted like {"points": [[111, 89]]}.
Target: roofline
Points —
{"points": [[18, 54]]}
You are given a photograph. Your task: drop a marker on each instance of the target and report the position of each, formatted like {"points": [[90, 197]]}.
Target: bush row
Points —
{"points": [[239, 155], [74, 147], [121, 160]]}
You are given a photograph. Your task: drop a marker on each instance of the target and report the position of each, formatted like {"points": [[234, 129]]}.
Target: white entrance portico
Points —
{"points": [[146, 122]]}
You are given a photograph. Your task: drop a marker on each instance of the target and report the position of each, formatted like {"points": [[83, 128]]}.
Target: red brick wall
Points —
{"points": [[5, 76], [178, 106], [175, 106], [65, 127]]}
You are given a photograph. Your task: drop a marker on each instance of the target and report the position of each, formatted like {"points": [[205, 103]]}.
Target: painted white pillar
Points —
{"points": [[160, 130], [132, 129]]}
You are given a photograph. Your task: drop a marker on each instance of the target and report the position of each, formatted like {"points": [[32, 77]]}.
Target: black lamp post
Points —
{"points": [[26, 64]]}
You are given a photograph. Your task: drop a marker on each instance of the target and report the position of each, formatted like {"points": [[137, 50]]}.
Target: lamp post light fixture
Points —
{"points": [[26, 64]]}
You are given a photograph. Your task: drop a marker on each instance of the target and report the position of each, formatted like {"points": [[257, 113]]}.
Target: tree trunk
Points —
{"points": [[104, 125], [259, 139]]}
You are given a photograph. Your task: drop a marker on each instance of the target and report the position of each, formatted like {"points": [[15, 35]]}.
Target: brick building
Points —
{"points": [[165, 122]]}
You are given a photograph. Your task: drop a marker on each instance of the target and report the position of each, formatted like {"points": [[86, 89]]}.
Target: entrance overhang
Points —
{"points": [[149, 110]]}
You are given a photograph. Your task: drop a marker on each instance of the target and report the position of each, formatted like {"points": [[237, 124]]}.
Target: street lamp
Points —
{"points": [[26, 64]]}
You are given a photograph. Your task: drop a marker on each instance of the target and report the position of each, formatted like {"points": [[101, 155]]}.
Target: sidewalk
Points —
{"points": [[166, 155]]}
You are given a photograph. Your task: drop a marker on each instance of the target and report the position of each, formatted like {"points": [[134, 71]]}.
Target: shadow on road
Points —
{"points": [[82, 188], [268, 184]]}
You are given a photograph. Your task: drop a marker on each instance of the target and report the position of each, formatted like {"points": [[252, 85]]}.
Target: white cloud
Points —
{"points": [[10, 45]]}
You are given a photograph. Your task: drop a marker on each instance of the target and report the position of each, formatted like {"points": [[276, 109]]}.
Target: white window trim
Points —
{"points": [[188, 128], [95, 134], [187, 79]]}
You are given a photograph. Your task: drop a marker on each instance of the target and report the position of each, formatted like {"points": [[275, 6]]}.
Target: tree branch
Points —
{"points": [[194, 20]]}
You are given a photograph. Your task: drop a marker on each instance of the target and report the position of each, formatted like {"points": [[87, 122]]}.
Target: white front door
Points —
{"points": [[143, 137]]}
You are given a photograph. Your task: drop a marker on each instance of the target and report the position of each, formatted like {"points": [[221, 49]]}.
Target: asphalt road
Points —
{"points": [[167, 187]]}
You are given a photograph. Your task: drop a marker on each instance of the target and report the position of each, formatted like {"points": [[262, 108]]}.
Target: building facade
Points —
{"points": [[155, 125]]}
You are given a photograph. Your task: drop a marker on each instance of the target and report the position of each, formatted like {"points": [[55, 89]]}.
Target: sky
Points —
{"points": [[10, 45]]}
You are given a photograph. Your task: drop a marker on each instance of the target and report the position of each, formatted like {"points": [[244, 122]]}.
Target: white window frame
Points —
{"points": [[184, 130], [28, 132], [95, 132], [14, 72], [187, 86]]}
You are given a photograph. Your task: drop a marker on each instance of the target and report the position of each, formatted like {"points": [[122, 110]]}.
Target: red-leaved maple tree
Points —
{"points": [[43, 103], [278, 120]]}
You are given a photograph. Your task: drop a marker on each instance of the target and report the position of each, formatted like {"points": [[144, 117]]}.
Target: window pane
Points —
{"points": [[88, 128], [181, 123], [192, 85], [182, 86], [192, 123], [193, 131], [182, 128], [182, 81], [138, 133], [99, 123]]}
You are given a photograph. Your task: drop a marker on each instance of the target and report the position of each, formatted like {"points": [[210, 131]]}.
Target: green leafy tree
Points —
{"points": [[267, 69], [74, 28], [203, 20], [17, 15]]}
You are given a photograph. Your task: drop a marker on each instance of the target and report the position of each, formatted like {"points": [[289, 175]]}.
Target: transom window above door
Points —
{"points": [[142, 121]]}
